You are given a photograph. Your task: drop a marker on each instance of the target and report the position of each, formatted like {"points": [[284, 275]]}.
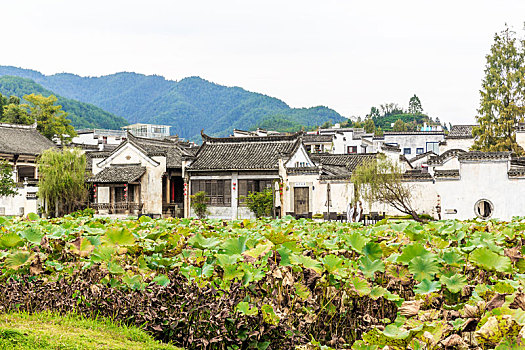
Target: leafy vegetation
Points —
{"points": [[47, 331], [276, 284], [7, 182], [260, 203], [62, 184], [502, 91], [186, 105], [199, 204], [82, 115]]}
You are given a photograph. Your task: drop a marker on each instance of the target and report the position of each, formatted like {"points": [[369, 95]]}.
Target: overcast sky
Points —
{"points": [[347, 55]]}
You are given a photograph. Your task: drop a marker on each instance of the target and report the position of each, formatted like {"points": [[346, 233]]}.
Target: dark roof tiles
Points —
{"points": [[244, 153], [22, 140], [119, 174], [461, 132]]}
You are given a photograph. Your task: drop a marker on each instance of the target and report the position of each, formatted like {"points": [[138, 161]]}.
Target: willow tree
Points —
{"points": [[380, 180], [502, 104], [62, 180]]}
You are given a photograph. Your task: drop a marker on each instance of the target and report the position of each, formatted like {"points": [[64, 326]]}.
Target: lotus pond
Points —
{"points": [[276, 284]]}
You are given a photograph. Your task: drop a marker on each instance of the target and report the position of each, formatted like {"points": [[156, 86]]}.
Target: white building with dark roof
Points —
{"points": [[20, 145]]}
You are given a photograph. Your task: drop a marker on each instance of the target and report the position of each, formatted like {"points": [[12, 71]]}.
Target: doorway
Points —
{"points": [[301, 200]]}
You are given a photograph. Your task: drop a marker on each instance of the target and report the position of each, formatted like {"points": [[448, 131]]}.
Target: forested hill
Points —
{"points": [[82, 115], [188, 105]]}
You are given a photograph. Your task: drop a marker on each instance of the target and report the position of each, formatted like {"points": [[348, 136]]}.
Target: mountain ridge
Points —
{"points": [[187, 105]]}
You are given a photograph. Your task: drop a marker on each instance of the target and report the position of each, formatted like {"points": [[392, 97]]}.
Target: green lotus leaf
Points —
{"points": [[356, 241], [162, 280], [373, 250], [17, 259], [423, 267], [412, 251], [32, 234], [10, 240], [455, 283], [427, 287], [489, 260], [244, 308], [369, 267], [234, 246], [33, 217], [120, 236], [269, 315], [306, 262], [332, 263]]}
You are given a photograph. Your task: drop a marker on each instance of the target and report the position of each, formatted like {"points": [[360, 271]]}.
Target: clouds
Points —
{"points": [[348, 55]]}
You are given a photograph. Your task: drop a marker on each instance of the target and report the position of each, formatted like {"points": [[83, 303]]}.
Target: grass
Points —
{"points": [[71, 332]]}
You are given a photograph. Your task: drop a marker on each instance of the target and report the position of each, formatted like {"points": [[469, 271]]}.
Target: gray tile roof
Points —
{"points": [[416, 175], [422, 155], [22, 140], [119, 174], [90, 155], [317, 138], [340, 166], [447, 174], [440, 159], [484, 156], [244, 153], [461, 132]]}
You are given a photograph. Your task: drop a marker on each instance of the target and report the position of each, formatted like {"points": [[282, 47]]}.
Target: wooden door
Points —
{"points": [[301, 199]]}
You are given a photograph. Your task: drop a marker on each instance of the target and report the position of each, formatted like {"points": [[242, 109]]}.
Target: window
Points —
{"points": [[351, 149], [433, 146], [218, 192], [420, 150], [247, 186], [301, 164], [483, 208], [407, 150]]}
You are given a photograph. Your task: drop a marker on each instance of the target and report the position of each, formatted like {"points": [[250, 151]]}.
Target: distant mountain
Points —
{"points": [[82, 115], [188, 105]]}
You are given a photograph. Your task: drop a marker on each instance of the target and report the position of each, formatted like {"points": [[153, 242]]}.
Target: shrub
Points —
{"points": [[260, 203], [199, 204]]}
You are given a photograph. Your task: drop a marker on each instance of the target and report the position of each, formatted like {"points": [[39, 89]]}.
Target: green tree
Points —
{"points": [[62, 180], [260, 203], [502, 104], [399, 125], [381, 180], [379, 132], [369, 126], [7, 182], [16, 114], [51, 119], [199, 204], [414, 105]]}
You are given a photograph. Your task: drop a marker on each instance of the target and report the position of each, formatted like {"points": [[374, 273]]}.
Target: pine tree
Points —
{"points": [[502, 104]]}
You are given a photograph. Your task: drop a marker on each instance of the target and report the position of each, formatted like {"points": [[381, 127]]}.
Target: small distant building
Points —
{"points": [[148, 130], [20, 145], [98, 139]]}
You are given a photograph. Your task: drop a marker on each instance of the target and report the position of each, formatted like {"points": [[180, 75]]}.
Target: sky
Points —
{"points": [[344, 54]]}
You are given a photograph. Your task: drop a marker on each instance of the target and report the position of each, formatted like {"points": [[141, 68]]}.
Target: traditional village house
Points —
{"points": [[141, 176], [20, 145], [229, 168]]}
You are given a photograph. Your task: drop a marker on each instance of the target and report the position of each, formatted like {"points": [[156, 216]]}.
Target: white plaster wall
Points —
{"points": [[299, 156], [412, 141], [13, 204], [463, 144], [520, 138], [482, 180]]}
